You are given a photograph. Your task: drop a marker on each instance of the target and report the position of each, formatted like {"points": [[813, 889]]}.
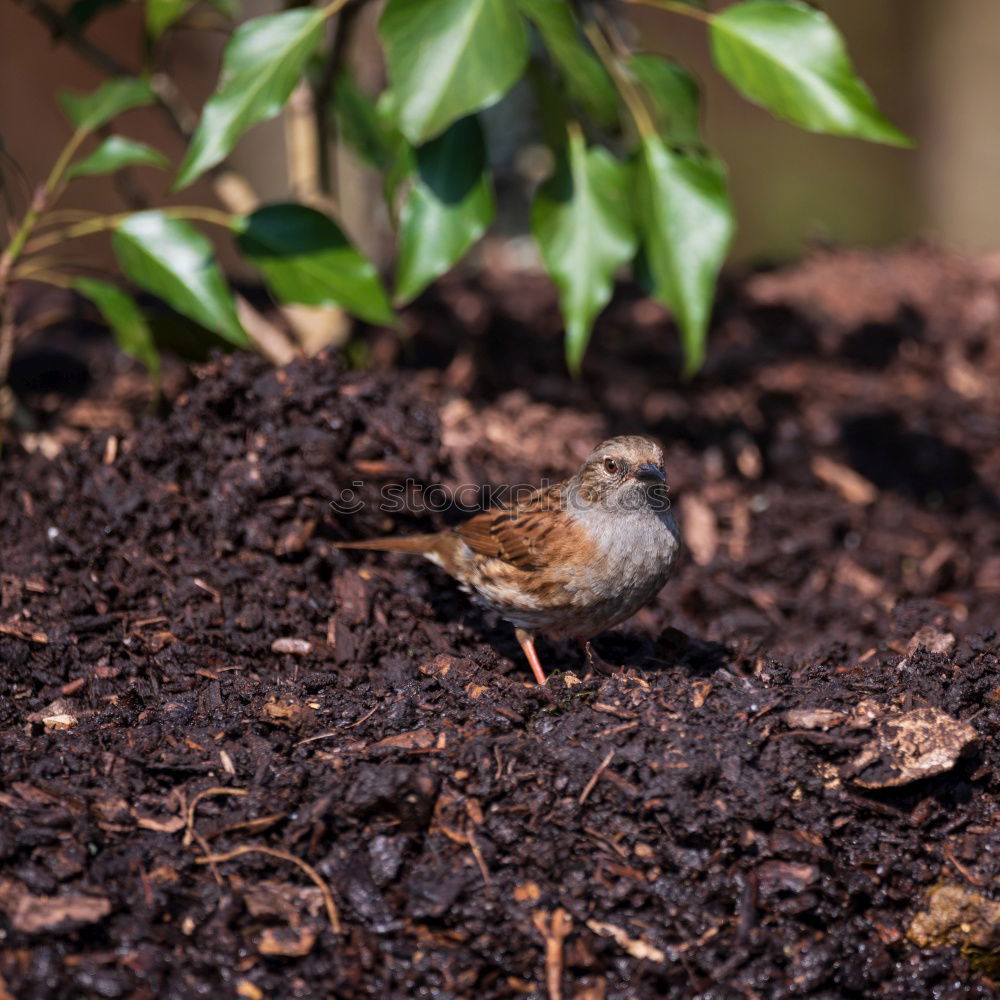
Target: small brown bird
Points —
{"points": [[572, 559]]}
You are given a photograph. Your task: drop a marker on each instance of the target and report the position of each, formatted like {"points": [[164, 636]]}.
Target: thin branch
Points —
{"points": [[628, 90], [675, 7], [331, 907], [62, 29], [199, 213], [323, 98]]}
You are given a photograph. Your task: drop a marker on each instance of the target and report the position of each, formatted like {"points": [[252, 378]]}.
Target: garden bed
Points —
{"points": [[190, 670]]}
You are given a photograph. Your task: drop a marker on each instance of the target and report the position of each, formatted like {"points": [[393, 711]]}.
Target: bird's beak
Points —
{"points": [[649, 473]]}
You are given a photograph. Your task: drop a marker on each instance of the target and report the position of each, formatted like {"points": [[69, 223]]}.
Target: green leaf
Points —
{"points": [[164, 14], [175, 262], [359, 123], [685, 224], [672, 96], [791, 59], [305, 258], [90, 111], [114, 153], [449, 206], [583, 223], [448, 58], [123, 316], [260, 67], [587, 80]]}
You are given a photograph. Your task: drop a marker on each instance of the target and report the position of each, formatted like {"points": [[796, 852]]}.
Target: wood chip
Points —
{"points": [[417, 739], [636, 947], [295, 647], [852, 486], [814, 718], [39, 914], [286, 941], [701, 532]]}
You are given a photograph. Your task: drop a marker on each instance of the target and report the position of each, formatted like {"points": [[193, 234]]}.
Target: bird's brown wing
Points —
{"points": [[528, 535]]}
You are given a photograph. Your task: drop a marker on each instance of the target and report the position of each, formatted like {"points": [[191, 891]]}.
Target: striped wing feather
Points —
{"points": [[528, 535]]}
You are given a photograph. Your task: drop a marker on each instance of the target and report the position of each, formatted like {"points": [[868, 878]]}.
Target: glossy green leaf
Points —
{"points": [[791, 59], [123, 316], [448, 58], [260, 67], [171, 259], [164, 14], [685, 225], [583, 223], [587, 80], [449, 206], [359, 123], [114, 153], [305, 258], [672, 95], [91, 111]]}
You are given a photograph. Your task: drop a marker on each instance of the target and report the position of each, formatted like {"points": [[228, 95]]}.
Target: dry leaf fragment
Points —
{"points": [[56, 715], [785, 876], [286, 941], [417, 739], [954, 915], [814, 718], [288, 712], [36, 914], [933, 639], [910, 746]]}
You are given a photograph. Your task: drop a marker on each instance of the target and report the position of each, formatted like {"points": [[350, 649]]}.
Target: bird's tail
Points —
{"points": [[418, 544]]}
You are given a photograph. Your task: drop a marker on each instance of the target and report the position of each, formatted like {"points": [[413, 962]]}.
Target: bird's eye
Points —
{"points": [[611, 467]]}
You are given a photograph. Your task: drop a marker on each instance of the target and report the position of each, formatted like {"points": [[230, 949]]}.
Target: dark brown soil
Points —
{"points": [[188, 668]]}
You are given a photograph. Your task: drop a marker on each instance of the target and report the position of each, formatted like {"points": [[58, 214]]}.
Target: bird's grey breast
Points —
{"points": [[634, 550]]}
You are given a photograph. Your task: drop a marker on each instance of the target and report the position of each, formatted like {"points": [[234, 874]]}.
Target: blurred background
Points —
{"points": [[934, 68]]}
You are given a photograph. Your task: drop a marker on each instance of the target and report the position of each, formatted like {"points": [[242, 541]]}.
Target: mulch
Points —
{"points": [[236, 760]]}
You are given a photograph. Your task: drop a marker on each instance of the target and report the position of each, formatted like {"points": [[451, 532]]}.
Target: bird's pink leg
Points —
{"points": [[527, 641]]}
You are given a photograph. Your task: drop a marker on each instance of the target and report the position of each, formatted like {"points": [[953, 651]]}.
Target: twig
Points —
{"points": [[231, 188], [676, 8], [323, 96], [478, 855], [193, 804], [274, 852], [334, 732], [555, 931], [61, 28], [601, 768]]}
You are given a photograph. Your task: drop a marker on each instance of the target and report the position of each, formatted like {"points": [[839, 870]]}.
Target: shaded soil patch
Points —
{"points": [[188, 668]]}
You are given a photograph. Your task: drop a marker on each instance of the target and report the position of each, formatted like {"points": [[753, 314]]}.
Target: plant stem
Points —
{"points": [[630, 94], [48, 277], [675, 7], [43, 198], [331, 8], [199, 213]]}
